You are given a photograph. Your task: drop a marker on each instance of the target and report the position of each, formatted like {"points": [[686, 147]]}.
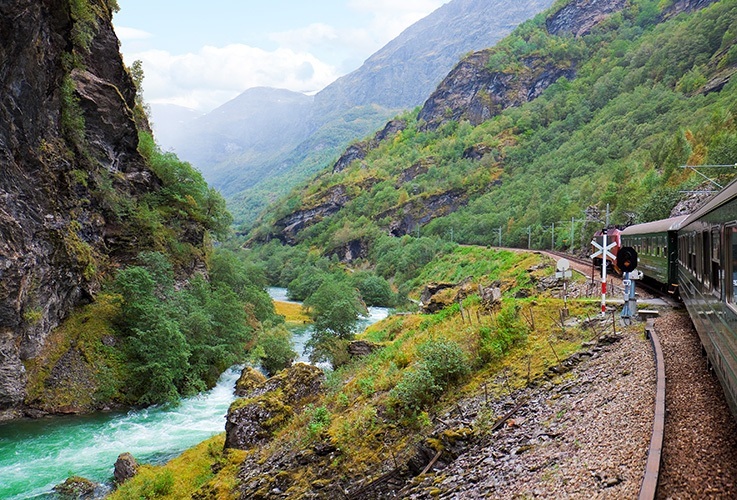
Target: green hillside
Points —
{"points": [[650, 92]]}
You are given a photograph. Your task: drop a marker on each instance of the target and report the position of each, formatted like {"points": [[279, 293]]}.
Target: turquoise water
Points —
{"points": [[36, 455], [301, 334]]}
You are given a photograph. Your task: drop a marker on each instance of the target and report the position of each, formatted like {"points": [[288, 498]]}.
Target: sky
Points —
{"points": [[202, 54]]}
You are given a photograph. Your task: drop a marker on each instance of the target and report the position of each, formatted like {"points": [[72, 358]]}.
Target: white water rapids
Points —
{"points": [[36, 455]]}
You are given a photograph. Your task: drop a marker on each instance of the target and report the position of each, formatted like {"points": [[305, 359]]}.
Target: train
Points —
{"points": [[695, 256]]}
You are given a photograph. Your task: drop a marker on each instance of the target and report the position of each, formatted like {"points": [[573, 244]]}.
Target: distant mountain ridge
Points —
{"points": [[262, 143], [593, 103]]}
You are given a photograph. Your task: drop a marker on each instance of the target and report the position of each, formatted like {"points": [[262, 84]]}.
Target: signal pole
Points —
{"points": [[603, 250]]}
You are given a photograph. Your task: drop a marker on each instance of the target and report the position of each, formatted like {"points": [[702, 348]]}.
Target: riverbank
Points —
{"points": [[36, 455], [293, 313]]}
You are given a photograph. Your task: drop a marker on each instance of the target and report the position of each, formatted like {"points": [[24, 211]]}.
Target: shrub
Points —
{"points": [[274, 350], [441, 364], [445, 360], [319, 421], [415, 391]]}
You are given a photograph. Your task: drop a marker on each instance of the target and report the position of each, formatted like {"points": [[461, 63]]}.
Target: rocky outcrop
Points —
{"points": [[421, 210], [475, 93], [125, 468], [252, 420], [359, 150], [352, 250], [679, 6], [580, 16], [329, 203], [415, 170], [70, 167], [250, 379]]}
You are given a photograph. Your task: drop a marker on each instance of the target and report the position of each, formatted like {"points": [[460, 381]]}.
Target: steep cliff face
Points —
{"points": [[476, 91], [68, 160]]}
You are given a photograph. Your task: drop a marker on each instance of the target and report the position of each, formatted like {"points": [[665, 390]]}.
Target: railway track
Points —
{"points": [[649, 485], [692, 453]]}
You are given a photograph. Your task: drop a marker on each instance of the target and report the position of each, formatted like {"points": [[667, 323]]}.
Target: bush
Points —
{"points": [[445, 360], [274, 350], [319, 421], [441, 364], [416, 391], [375, 290]]}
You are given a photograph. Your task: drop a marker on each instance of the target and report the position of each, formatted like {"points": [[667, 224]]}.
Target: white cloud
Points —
{"points": [[126, 34], [308, 58], [213, 75]]}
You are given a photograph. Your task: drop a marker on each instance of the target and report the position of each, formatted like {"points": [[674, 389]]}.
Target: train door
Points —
{"points": [[716, 250], [705, 263], [731, 264]]}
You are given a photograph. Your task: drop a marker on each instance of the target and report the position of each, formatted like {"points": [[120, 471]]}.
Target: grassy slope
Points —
{"points": [[358, 414]]}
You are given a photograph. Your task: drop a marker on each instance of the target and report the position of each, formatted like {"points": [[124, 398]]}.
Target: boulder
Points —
{"points": [[437, 296], [125, 467], [75, 487], [252, 421], [250, 379], [360, 348]]}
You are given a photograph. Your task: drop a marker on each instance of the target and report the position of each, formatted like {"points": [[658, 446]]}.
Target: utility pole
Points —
{"points": [[604, 264], [499, 231], [552, 237], [573, 221]]}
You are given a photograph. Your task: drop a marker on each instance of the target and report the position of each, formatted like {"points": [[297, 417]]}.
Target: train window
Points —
{"points": [[732, 263], [715, 264]]}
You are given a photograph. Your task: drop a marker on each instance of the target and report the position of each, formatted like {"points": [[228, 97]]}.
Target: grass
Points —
{"points": [[357, 414], [293, 313], [191, 471]]}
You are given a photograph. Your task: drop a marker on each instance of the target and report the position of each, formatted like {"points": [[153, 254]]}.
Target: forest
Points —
{"points": [[646, 100]]}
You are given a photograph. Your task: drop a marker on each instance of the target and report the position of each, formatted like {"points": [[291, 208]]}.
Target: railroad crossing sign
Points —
{"points": [[600, 250]]}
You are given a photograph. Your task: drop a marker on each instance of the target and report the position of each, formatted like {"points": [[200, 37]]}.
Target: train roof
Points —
{"points": [[719, 199], [658, 226]]}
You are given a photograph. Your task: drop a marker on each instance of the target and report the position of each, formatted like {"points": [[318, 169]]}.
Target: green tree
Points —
{"points": [[273, 350], [375, 290], [335, 308]]}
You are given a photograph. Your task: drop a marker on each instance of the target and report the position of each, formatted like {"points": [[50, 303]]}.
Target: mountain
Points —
{"points": [[258, 125], [405, 71], [234, 151], [589, 105], [168, 120]]}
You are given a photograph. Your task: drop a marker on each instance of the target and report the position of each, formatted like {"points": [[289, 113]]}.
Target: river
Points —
{"points": [[36, 455]]}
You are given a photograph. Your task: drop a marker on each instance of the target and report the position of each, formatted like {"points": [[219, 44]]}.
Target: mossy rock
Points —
{"points": [[250, 379], [298, 383], [271, 404], [251, 422], [75, 487]]}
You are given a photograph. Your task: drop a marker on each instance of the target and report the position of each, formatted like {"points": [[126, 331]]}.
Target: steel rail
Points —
{"points": [[649, 484]]}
